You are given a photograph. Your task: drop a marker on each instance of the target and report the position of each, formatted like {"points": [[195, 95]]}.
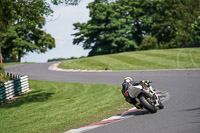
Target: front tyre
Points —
{"points": [[151, 108], [161, 106]]}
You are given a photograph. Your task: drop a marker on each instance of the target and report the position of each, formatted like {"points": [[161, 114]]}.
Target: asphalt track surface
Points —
{"points": [[180, 115]]}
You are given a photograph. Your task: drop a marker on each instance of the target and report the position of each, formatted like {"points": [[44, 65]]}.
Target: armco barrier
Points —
{"points": [[13, 88]]}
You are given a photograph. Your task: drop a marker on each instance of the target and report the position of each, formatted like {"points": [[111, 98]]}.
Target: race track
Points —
{"points": [[180, 115]]}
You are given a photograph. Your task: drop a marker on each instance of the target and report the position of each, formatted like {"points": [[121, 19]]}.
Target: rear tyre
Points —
{"points": [[151, 108]]}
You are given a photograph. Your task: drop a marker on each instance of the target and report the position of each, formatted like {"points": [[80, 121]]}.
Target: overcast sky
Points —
{"points": [[61, 27]]}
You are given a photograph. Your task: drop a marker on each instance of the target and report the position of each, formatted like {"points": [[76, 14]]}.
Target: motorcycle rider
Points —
{"points": [[128, 81]]}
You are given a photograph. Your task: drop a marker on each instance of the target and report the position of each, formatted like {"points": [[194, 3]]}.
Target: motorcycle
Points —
{"points": [[146, 96]]}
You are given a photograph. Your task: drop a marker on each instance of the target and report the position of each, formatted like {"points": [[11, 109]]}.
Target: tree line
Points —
{"points": [[64, 59], [126, 25]]}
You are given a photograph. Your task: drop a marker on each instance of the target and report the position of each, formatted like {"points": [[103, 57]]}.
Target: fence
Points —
{"points": [[13, 88]]}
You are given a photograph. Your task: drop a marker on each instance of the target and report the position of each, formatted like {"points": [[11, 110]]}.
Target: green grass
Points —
{"points": [[181, 58], [15, 63], [57, 107]]}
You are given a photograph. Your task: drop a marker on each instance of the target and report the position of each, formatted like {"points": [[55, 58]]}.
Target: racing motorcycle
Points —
{"points": [[146, 96]]}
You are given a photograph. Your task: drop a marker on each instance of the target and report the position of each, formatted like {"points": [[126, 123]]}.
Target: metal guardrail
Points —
{"points": [[13, 88]]}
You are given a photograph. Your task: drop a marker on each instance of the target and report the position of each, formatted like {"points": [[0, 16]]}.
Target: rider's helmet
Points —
{"points": [[128, 79]]}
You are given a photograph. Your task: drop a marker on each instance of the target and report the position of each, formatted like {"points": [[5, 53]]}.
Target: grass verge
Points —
{"points": [[16, 63], [57, 107], [180, 58]]}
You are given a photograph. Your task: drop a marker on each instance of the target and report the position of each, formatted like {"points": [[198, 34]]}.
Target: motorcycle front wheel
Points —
{"points": [[161, 106], [147, 105]]}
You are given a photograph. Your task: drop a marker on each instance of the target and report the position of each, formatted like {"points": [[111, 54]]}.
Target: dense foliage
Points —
{"points": [[22, 30], [67, 2], [124, 25]]}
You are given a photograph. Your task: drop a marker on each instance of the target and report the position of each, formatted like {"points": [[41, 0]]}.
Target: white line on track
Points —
{"points": [[54, 67]]}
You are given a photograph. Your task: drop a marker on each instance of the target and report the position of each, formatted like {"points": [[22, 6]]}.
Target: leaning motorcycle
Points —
{"points": [[146, 96]]}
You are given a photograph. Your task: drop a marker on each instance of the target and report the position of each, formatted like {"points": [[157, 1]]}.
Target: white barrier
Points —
{"points": [[14, 87]]}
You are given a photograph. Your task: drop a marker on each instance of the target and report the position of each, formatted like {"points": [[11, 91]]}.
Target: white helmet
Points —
{"points": [[128, 79]]}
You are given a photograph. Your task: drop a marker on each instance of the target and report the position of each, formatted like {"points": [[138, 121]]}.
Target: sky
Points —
{"points": [[60, 26]]}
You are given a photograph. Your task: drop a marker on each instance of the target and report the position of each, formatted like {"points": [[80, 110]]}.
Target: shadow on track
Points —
{"points": [[195, 110], [196, 114], [134, 112]]}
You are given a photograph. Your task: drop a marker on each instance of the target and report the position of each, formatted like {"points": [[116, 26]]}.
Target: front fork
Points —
{"points": [[153, 97], [157, 99]]}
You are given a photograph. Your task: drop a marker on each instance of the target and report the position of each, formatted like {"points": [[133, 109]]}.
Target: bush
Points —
{"points": [[3, 77], [149, 42]]}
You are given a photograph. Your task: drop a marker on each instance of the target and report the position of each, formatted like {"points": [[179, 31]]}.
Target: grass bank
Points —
{"points": [[181, 58], [57, 107]]}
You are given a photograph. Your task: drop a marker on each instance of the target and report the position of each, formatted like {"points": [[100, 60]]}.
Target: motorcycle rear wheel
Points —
{"points": [[151, 108]]}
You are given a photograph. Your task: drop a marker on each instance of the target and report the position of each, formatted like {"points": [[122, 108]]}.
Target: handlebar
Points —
{"points": [[145, 81]]}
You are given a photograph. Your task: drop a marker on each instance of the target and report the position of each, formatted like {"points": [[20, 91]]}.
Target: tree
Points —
{"points": [[19, 40], [22, 23], [5, 15], [115, 26], [110, 29]]}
